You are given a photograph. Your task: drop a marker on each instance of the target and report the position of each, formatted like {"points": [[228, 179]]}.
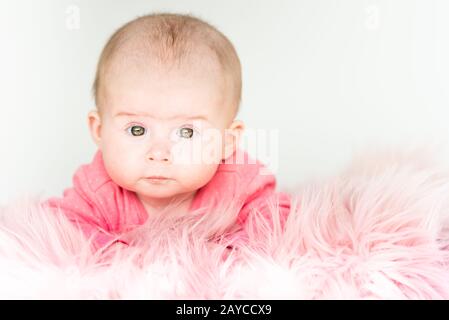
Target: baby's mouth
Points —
{"points": [[158, 179]]}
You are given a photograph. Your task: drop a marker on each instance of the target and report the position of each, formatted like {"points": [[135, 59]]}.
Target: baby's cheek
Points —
{"points": [[182, 153], [211, 143], [196, 176], [119, 164], [211, 151]]}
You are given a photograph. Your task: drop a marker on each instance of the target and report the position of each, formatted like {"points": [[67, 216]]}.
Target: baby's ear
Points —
{"points": [[232, 137], [94, 122]]}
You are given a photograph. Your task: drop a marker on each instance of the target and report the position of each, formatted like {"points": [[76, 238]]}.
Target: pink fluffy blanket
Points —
{"points": [[377, 230]]}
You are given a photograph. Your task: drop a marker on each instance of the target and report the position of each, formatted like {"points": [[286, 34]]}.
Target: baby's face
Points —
{"points": [[164, 123]]}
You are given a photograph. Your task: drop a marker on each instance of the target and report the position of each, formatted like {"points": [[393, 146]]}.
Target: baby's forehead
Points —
{"points": [[199, 76], [174, 91], [137, 58], [169, 79]]}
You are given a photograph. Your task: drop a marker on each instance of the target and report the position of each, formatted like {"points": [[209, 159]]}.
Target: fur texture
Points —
{"points": [[378, 230]]}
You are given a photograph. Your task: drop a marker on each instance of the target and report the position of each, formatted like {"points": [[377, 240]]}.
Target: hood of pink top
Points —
{"points": [[229, 182]]}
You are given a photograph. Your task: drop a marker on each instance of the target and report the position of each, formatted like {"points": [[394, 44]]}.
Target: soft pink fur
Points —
{"points": [[379, 230]]}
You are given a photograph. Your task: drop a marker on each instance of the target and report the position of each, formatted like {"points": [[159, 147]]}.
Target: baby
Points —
{"points": [[167, 91]]}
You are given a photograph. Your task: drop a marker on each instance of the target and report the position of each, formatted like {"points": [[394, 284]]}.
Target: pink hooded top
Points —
{"points": [[104, 210]]}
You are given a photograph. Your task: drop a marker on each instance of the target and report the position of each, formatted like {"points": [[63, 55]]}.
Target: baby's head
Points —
{"points": [[167, 90]]}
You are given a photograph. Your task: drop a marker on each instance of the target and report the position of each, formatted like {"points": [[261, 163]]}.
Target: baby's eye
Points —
{"points": [[136, 131], [185, 132]]}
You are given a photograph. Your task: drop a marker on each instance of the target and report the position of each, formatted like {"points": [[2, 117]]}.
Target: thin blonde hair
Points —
{"points": [[168, 38]]}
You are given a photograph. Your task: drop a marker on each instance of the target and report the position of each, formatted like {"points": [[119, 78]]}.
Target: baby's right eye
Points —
{"points": [[136, 130]]}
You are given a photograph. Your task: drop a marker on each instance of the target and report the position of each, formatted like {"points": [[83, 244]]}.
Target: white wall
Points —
{"points": [[333, 76]]}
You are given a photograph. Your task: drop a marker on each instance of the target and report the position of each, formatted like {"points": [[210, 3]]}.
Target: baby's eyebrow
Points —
{"points": [[128, 114]]}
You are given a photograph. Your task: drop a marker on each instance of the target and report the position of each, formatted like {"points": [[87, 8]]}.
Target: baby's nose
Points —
{"points": [[159, 154], [158, 157]]}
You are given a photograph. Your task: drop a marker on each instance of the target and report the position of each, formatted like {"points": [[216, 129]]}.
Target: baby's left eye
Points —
{"points": [[185, 132]]}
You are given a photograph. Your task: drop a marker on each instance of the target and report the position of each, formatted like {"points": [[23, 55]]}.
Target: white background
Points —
{"points": [[332, 76]]}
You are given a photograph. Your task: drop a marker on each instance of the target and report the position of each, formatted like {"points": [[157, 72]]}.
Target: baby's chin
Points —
{"points": [[156, 188]]}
